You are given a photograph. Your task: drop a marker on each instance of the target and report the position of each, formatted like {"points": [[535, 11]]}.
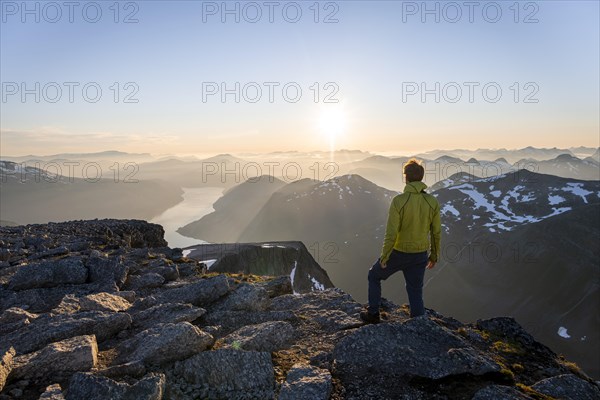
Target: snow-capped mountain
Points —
{"points": [[507, 201], [456, 179], [338, 208], [523, 244]]}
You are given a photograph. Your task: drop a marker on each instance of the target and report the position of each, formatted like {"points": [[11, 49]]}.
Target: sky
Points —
{"points": [[184, 77]]}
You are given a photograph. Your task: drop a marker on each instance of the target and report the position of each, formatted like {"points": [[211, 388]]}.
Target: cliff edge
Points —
{"points": [[103, 309]]}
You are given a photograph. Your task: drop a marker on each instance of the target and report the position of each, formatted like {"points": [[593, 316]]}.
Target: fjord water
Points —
{"points": [[196, 203]]}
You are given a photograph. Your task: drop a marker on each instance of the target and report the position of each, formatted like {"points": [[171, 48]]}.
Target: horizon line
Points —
{"points": [[343, 150]]}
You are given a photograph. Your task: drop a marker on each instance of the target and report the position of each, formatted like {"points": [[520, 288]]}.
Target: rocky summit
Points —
{"points": [[103, 309]]}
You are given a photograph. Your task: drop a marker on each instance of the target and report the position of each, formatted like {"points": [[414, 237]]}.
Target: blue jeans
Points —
{"points": [[413, 266]]}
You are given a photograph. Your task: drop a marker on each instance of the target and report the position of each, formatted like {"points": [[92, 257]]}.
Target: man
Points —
{"points": [[413, 228]]}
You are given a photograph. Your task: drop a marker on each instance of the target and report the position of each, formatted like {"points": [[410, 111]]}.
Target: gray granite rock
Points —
{"points": [[418, 347], [495, 392], [67, 356], [51, 328], [199, 293], [94, 387], [144, 281], [268, 336], [163, 344], [92, 302], [231, 374], [70, 270], [568, 387], [107, 272], [245, 297], [166, 313], [306, 382]]}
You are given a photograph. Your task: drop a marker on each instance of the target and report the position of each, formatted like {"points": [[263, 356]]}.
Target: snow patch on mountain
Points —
{"points": [[515, 193], [209, 263], [271, 246], [448, 208], [528, 197], [556, 211], [316, 284], [501, 216], [493, 178], [555, 199], [293, 274], [578, 190], [343, 185], [562, 332], [481, 201]]}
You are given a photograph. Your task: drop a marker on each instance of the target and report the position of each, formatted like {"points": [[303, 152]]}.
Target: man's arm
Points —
{"points": [[435, 232], [391, 232]]}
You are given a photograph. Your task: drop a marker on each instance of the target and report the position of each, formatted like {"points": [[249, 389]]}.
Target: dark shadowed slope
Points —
{"points": [[233, 211], [544, 274], [341, 221], [291, 259]]}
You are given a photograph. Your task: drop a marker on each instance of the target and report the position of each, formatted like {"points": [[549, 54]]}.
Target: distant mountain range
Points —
{"points": [[34, 195], [113, 154], [227, 170], [343, 155], [569, 166], [387, 171], [542, 226], [512, 155]]}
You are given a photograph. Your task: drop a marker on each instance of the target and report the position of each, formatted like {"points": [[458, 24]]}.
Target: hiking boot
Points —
{"points": [[370, 318]]}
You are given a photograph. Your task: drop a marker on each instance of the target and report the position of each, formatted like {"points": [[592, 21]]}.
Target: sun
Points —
{"points": [[332, 123]]}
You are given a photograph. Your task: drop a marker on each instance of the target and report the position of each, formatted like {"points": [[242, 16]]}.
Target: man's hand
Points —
{"points": [[430, 264], [383, 265]]}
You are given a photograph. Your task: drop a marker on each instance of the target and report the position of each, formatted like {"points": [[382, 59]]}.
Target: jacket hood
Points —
{"points": [[415, 187]]}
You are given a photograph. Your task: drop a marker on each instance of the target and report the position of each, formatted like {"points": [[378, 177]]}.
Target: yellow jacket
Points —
{"points": [[413, 224]]}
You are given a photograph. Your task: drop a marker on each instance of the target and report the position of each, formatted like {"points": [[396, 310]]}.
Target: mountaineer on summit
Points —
{"points": [[413, 228]]}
